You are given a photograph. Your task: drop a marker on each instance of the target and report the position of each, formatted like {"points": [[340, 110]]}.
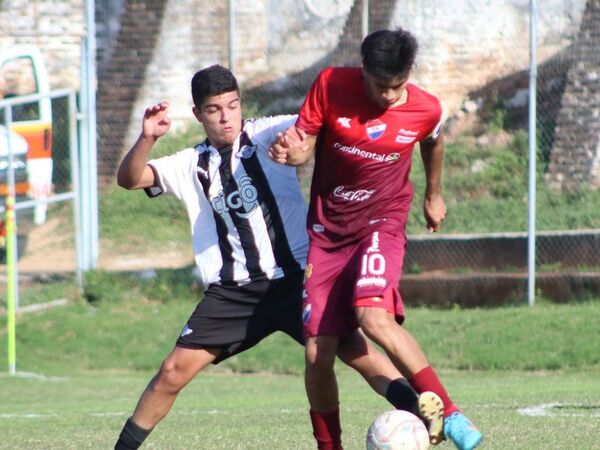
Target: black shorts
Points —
{"points": [[236, 318]]}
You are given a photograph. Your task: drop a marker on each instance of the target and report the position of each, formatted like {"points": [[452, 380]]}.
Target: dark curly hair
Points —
{"points": [[213, 80], [388, 54]]}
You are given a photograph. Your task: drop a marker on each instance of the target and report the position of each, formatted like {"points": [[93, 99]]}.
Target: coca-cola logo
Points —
{"points": [[358, 195]]}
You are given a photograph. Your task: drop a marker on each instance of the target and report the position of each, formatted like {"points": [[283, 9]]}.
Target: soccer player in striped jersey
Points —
{"points": [[247, 218], [362, 125]]}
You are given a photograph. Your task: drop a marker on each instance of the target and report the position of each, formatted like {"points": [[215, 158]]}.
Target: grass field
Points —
{"points": [[516, 410], [527, 376]]}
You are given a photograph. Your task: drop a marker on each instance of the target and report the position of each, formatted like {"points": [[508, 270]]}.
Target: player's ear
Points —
{"points": [[197, 114]]}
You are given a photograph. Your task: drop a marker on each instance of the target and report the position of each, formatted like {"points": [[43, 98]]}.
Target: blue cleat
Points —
{"points": [[462, 432]]}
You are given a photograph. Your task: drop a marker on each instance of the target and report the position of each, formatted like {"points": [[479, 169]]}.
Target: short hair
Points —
{"points": [[213, 80], [388, 54]]}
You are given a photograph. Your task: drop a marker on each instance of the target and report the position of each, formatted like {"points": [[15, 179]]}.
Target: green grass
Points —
{"points": [[96, 357], [265, 411], [485, 188], [493, 197], [44, 289], [131, 219], [129, 324]]}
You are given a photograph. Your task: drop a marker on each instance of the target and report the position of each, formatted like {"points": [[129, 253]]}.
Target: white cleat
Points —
{"points": [[431, 409]]}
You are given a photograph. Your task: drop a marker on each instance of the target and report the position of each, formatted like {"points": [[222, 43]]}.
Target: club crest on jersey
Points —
{"points": [[247, 151], [375, 128]]}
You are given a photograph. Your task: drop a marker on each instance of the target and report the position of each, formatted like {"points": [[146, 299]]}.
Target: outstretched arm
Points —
{"points": [[292, 147], [434, 208], [133, 172]]}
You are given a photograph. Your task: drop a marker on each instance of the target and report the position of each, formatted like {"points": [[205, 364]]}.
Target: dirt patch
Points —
{"points": [[50, 248]]}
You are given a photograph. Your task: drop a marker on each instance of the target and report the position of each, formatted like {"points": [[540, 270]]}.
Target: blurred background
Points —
{"points": [[474, 55]]}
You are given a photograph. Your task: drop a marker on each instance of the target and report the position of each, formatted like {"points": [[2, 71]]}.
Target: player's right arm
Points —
{"points": [[297, 144], [133, 172], [292, 147]]}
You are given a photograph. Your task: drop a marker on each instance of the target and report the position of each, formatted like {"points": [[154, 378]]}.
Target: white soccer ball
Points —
{"points": [[397, 430]]}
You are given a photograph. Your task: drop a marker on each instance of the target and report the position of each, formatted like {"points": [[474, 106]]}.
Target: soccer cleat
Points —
{"points": [[462, 432], [431, 409]]}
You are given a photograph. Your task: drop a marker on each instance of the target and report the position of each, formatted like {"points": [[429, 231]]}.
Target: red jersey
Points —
{"points": [[363, 156]]}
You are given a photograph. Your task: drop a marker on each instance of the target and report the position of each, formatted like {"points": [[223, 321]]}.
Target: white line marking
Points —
{"points": [[33, 375], [26, 416], [556, 409]]}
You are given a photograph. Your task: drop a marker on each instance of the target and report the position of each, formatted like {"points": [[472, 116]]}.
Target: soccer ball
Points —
{"points": [[397, 430]]}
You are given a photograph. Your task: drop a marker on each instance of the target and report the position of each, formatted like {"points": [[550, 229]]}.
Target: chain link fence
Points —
{"points": [[476, 59], [39, 164], [474, 56]]}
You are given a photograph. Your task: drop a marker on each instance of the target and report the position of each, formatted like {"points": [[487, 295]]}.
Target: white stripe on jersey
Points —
{"points": [[247, 213]]}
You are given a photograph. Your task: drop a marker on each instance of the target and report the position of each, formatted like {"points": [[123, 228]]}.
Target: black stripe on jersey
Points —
{"points": [[279, 242], [226, 273], [204, 157], [243, 226]]}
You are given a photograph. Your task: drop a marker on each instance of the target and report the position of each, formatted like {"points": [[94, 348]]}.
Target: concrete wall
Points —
{"points": [[467, 44], [148, 50]]}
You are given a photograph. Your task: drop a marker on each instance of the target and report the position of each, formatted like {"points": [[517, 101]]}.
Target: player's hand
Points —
{"points": [[156, 122], [435, 212], [290, 142]]}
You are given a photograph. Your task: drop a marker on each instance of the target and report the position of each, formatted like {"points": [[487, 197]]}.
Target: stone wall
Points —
{"points": [[575, 158], [148, 50], [55, 27]]}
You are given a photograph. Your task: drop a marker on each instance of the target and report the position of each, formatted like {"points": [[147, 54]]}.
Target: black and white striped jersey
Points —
{"points": [[247, 213]]}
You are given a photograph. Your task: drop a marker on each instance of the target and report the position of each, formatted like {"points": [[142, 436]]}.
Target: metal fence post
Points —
{"points": [[531, 270]]}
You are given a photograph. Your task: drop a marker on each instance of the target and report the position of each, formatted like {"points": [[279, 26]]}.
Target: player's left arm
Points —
{"points": [[432, 154]]}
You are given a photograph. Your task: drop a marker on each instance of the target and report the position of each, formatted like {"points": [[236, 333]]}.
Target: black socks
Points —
{"points": [[131, 436], [400, 394]]}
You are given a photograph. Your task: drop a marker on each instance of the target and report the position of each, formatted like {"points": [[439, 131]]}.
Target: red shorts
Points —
{"points": [[338, 280]]}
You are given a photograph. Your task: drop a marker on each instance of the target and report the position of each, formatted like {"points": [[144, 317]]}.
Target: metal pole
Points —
{"points": [[75, 177], [365, 18], [84, 205], [11, 254], [232, 40], [91, 85], [531, 270]]}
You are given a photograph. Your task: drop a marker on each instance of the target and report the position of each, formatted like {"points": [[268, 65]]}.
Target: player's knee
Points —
{"points": [[171, 377], [320, 356], [353, 346], [375, 325]]}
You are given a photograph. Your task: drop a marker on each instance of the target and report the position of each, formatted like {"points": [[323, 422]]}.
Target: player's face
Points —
{"points": [[221, 116], [386, 93]]}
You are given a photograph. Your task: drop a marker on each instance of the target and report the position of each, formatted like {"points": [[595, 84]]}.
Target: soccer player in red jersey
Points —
{"points": [[362, 125]]}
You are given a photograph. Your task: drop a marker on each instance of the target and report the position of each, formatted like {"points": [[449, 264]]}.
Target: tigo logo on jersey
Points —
{"points": [[375, 128], [243, 202]]}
